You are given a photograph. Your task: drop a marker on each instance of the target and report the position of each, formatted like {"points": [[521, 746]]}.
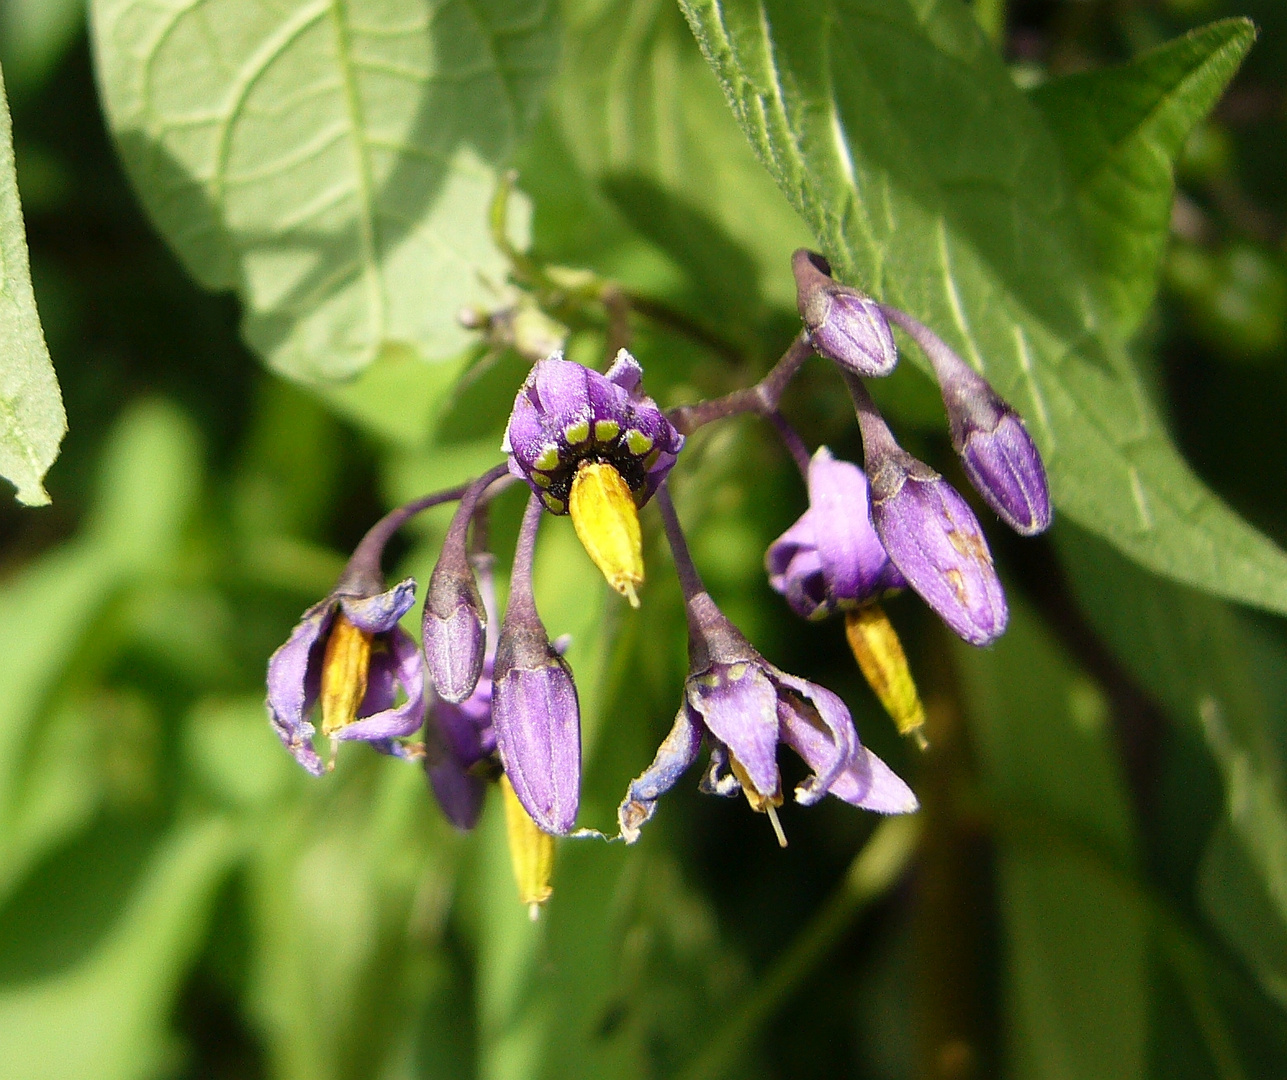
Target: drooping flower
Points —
{"points": [[996, 451], [349, 652], [930, 532], [744, 707], [595, 447], [535, 711], [844, 325], [831, 558]]}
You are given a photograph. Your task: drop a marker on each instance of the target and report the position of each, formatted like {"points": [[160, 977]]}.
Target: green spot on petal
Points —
{"points": [[606, 430], [577, 433], [555, 506], [637, 442], [548, 458]]}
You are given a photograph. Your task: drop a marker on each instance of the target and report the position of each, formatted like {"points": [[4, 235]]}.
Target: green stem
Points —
{"points": [[876, 868]]}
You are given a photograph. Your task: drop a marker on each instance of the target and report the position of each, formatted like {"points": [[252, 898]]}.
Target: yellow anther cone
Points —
{"points": [[531, 852], [607, 523], [880, 655], [344, 670]]}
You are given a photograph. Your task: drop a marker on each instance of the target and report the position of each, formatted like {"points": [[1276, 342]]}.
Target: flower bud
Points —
{"points": [[996, 451], [844, 325]]}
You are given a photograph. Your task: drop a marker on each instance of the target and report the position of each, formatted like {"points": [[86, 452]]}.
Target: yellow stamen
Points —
{"points": [[880, 655], [761, 804], [531, 852], [344, 670], [607, 523]]}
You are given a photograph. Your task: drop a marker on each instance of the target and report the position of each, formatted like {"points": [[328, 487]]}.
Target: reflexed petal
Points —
{"points": [[626, 373], [293, 680], [817, 726], [538, 733], [739, 706], [718, 779], [525, 433], [562, 390], [851, 553], [871, 784], [381, 612], [674, 756]]}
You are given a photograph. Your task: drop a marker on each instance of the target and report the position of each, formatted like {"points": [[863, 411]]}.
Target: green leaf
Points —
{"points": [[331, 162], [1120, 130], [642, 116], [109, 1017], [1075, 931], [932, 181], [1210, 667], [32, 421]]}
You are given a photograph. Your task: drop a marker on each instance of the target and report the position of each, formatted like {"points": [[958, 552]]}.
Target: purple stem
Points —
{"points": [[362, 574], [792, 441], [689, 580], [877, 440], [522, 601], [762, 398], [942, 357], [455, 538]]}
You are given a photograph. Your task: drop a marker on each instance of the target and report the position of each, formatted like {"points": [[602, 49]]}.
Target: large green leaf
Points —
{"points": [[931, 180], [332, 162], [1076, 933], [1210, 667], [32, 421], [1120, 130]]}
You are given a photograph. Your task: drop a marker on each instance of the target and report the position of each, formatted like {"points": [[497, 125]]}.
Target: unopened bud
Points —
{"points": [[844, 325]]}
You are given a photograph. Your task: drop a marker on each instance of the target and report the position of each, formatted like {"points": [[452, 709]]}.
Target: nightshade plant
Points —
{"points": [[594, 447]]}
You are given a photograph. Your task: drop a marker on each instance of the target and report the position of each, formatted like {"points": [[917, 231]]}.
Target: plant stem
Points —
{"points": [[762, 399]]}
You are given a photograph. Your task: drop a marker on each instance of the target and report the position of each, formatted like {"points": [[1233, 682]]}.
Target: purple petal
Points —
{"points": [[853, 558], [525, 433], [562, 391], [405, 719], [459, 793], [817, 726], [739, 706], [626, 373], [935, 540], [538, 733], [454, 651], [381, 612], [292, 684], [674, 756], [1006, 469], [718, 779], [871, 784]]}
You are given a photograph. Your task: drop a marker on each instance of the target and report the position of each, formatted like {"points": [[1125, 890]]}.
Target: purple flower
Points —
{"points": [[349, 651], [744, 707], [996, 451], [831, 557], [844, 325], [535, 711], [566, 416], [930, 532]]}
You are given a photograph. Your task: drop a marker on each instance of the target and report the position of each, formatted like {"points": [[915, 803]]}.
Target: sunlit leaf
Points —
{"points": [[933, 182], [32, 421], [332, 163], [1120, 130]]}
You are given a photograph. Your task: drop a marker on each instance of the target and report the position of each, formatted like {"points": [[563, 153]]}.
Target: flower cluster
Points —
{"points": [[499, 705]]}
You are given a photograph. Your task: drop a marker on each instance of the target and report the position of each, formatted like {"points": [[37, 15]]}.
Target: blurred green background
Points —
{"points": [[1096, 886]]}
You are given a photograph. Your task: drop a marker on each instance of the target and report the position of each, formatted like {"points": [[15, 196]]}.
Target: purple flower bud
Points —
{"points": [[382, 658], [930, 532], [454, 616], [844, 325], [567, 415], [745, 707], [534, 702], [460, 736], [831, 557], [996, 451]]}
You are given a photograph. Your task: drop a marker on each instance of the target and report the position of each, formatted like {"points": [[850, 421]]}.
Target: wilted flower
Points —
{"points": [[930, 532], [996, 451], [535, 711], [349, 651], [844, 325], [745, 707], [831, 558], [593, 446]]}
